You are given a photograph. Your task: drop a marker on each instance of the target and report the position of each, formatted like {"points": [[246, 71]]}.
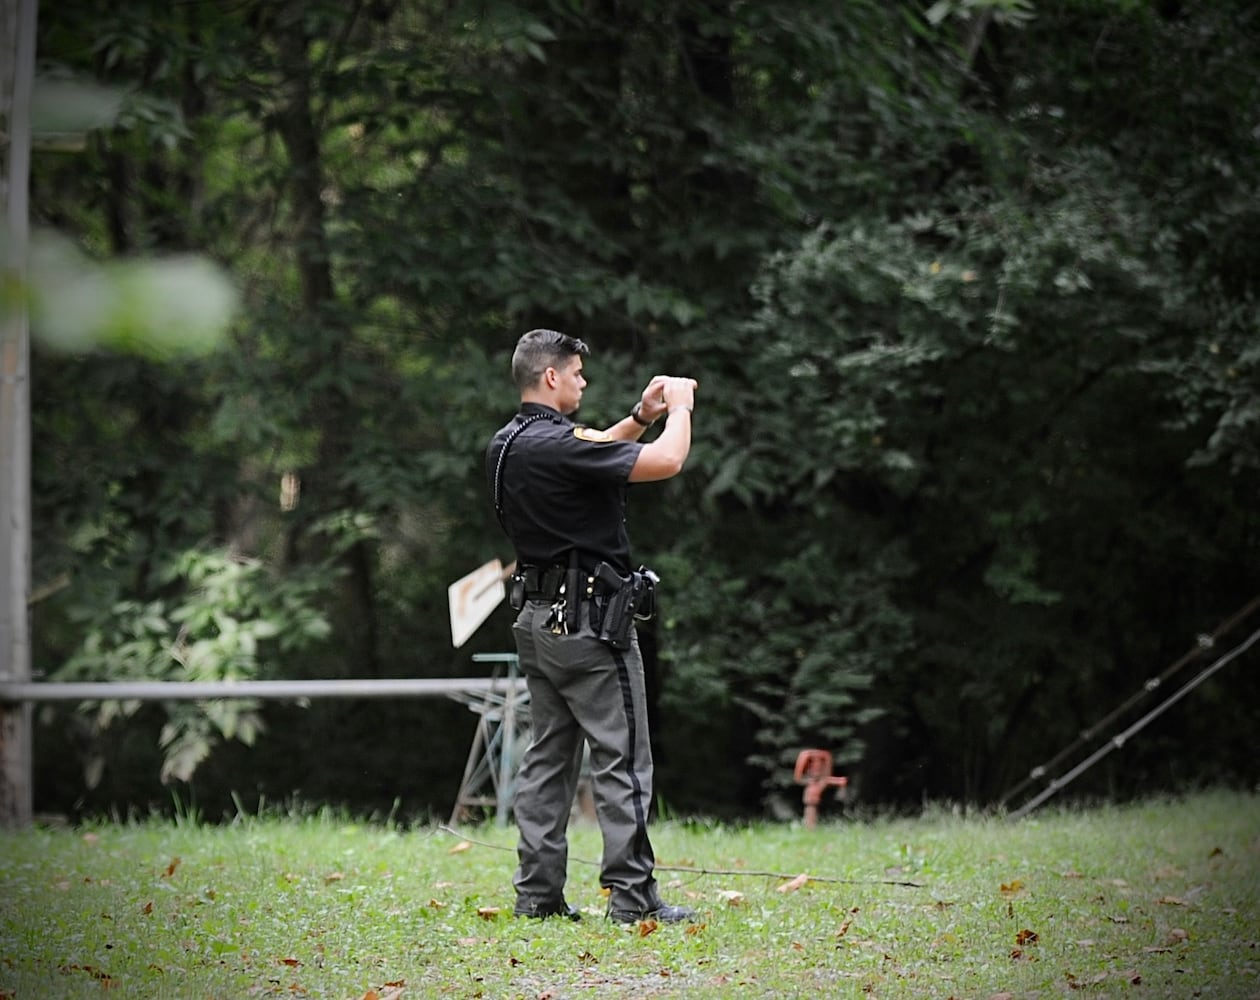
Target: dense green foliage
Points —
{"points": [[1150, 899], [969, 288]]}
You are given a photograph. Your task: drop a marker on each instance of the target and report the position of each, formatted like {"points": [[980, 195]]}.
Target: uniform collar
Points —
{"points": [[529, 409]]}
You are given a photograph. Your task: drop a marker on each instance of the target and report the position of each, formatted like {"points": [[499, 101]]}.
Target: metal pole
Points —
{"points": [[507, 745], [1204, 643], [1118, 742], [285, 690], [17, 76], [517, 693]]}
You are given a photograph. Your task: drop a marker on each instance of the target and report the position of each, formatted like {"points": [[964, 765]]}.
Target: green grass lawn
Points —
{"points": [[1158, 899]]}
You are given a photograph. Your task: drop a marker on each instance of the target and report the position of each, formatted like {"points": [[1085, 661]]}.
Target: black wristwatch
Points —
{"points": [[634, 414]]}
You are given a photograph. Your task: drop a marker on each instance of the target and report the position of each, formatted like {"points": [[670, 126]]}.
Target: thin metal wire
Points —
{"points": [[687, 870]]}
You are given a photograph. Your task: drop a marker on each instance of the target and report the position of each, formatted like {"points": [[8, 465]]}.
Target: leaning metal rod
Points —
{"points": [[1204, 643], [1118, 741]]}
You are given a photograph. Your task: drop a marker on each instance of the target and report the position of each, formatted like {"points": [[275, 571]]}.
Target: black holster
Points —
{"points": [[619, 600]]}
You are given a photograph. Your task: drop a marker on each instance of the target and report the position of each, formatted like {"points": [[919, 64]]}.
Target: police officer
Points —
{"points": [[560, 491]]}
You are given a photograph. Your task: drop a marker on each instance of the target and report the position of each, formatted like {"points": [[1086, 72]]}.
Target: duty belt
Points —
{"points": [[543, 583], [618, 602]]}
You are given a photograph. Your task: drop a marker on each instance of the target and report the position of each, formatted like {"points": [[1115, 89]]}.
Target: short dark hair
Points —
{"points": [[539, 350]]}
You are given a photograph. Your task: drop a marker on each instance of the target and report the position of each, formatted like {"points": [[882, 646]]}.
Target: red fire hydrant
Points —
{"points": [[813, 770]]}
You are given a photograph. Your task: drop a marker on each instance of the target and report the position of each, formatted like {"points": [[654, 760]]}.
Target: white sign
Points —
{"points": [[474, 596]]}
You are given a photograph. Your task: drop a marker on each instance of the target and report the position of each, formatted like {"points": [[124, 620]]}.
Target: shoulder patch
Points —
{"points": [[592, 435]]}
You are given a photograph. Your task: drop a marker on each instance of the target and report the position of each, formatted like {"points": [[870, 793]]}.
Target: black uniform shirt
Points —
{"points": [[563, 487]]}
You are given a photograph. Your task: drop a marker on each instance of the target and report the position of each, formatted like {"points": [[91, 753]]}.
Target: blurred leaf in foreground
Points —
{"points": [[164, 308]]}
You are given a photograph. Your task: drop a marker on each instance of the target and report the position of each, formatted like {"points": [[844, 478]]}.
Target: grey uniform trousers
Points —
{"points": [[580, 688]]}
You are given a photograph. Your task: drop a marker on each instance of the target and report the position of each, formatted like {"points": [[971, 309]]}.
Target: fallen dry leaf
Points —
{"points": [[1176, 936], [392, 991], [646, 927], [436, 904], [796, 883], [488, 912], [459, 848], [731, 896], [292, 963], [1026, 937], [170, 869], [333, 877], [1012, 887], [1171, 901], [1002, 996], [107, 981]]}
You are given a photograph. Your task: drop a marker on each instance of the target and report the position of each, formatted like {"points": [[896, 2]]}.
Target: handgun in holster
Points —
{"points": [[623, 599]]}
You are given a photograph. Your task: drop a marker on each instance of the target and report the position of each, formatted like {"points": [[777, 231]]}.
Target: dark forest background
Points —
{"points": [[970, 289]]}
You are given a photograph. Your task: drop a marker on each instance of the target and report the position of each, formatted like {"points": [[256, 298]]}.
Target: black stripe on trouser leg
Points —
{"points": [[632, 737]]}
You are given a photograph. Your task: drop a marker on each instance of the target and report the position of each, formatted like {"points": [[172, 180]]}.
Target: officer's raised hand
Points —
{"points": [[651, 406], [664, 457], [679, 392]]}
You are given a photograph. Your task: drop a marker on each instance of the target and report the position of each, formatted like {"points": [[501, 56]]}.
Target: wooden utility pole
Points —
{"points": [[17, 76]]}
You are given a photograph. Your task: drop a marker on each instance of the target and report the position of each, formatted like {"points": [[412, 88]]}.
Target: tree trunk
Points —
{"points": [[295, 120]]}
